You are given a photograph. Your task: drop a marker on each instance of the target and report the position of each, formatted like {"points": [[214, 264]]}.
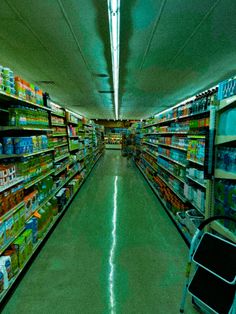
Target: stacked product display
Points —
{"points": [[224, 183], [177, 160], [44, 160], [19, 88]]}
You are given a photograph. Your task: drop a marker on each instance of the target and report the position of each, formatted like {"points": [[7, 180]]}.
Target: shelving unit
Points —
{"points": [[147, 143], [61, 157], [175, 131], [223, 176], [152, 167], [44, 238], [11, 184], [183, 231], [36, 180], [202, 184], [172, 146], [76, 169], [173, 160]]}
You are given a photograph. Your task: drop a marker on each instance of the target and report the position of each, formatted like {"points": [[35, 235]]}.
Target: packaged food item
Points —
{"points": [[19, 246], [9, 224], [33, 225], [5, 268], [12, 253], [2, 234], [27, 234], [21, 217]]}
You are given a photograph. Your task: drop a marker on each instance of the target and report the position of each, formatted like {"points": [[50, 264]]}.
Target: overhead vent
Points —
{"points": [[46, 82], [106, 91]]}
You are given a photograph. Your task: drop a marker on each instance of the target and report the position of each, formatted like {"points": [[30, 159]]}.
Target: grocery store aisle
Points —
{"points": [[114, 251]]}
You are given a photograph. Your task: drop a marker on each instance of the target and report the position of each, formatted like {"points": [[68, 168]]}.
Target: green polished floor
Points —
{"points": [[114, 251]]}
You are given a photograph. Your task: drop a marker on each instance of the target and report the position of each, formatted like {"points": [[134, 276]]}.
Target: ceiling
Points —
{"points": [[169, 50]]}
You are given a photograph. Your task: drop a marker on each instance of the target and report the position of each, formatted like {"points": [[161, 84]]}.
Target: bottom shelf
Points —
{"points": [[183, 231], [40, 241]]}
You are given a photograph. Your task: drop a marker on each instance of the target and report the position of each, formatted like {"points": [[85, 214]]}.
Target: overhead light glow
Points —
{"points": [[114, 27]]}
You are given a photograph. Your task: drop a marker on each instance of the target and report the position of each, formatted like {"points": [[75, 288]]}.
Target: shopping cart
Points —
{"points": [[213, 284]]}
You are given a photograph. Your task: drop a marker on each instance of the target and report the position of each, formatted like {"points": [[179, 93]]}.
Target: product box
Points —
{"points": [[9, 224], [12, 253], [19, 246], [33, 225], [31, 203], [27, 234], [21, 217], [16, 217], [2, 234]]}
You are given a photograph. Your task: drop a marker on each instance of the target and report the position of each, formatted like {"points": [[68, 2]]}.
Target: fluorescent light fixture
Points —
{"points": [[114, 27]]}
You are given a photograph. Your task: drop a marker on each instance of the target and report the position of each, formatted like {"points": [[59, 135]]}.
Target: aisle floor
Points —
{"points": [[114, 251]]}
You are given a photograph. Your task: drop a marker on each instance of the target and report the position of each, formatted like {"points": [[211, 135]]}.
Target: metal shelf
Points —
{"points": [[197, 208], [62, 169], [223, 139], [149, 164], [154, 145], [171, 133], [171, 173], [23, 128], [153, 156], [59, 134], [196, 162], [28, 185], [26, 155], [221, 174], [224, 103], [175, 161], [196, 181], [8, 97], [160, 122], [58, 124], [150, 125], [73, 149], [193, 115], [60, 145], [61, 157], [11, 211], [11, 184], [172, 146], [218, 227], [58, 114], [183, 199], [72, 122], [11, 240]]}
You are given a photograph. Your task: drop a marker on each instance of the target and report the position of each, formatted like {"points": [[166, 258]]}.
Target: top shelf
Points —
{"points": [[177, 118], [24, 128], [57, 114], [224, 139], [6, 97], [226, 102], [72, 122]]}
